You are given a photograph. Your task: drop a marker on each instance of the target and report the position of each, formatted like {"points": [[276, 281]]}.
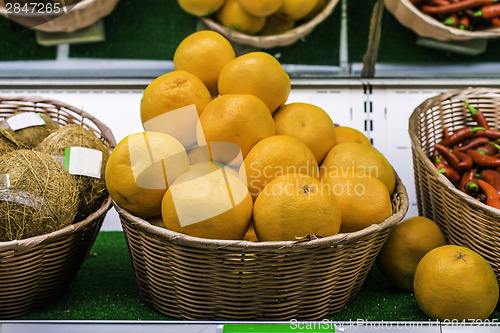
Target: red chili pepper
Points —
{"points": [[451, 20], [478, 116], [471, 188], [483, 160], [446, 170], [466, 161], [488, 11], [492, 177], [488, 149], [449, 157], [437, 2], [491, 134], [464, 22], [481, 197], [474, 143], [457, 6], [492, 195], [467, 177], [495, 21], [461, 135]]}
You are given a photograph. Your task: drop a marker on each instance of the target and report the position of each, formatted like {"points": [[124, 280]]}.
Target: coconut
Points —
{"points": [[92, 190], [39, 198], [32, 136], [7, 142]]}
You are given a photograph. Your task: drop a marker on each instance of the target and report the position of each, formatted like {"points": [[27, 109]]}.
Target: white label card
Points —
{"points": [[83, 161], [24, 120]]}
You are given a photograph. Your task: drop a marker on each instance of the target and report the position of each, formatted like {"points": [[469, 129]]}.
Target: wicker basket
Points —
{"points": [[195, 279], [85, 13], [464, 220], [266, 42], [37, 270], [426, 26]]}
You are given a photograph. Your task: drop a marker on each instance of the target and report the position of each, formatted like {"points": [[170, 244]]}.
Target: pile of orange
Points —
{"points": [[225, 156], [256, 17]]}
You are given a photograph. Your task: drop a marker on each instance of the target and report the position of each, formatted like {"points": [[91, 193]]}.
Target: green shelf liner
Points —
{"points": [[19, 43], [105, 289]]}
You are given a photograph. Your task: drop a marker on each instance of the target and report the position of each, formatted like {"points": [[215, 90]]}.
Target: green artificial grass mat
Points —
{"points": [[398, 45], [105, 289], [154, 29], [19, 43]]}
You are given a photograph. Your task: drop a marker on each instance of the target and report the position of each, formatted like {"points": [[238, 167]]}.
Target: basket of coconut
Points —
{"points": [[53, 198]]}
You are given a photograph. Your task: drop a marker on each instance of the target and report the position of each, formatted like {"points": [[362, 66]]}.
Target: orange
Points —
{"points": [[296, 9], [294, 206], [200, 7], [276, 25], [320, 5], [363, 199], [172, 104], [276, 156], [261, 7], [258, 74], [204, 54], [241, 119], [348, 134], [407, 243], [250, 234], [233, 16], [308, 123], [140, 169], [455, 283], [354, 159], [223, 204]]}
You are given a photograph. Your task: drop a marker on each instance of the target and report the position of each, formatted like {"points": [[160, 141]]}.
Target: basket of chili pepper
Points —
{"points": [[449, 20], [455, 140]]}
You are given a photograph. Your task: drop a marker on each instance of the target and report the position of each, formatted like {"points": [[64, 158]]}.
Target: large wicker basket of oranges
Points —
{"points": [[278, 23], [196, 278], [464, 219]]}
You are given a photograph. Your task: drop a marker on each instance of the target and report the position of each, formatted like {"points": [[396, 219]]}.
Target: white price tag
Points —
{"points": [[24, 120], [83, 161]]}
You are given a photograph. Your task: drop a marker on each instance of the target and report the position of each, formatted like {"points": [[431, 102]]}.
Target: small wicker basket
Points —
{"points": [[83, 14], [464, 220], [37, 270], [426, 26], [266, 42], [201, 279]]}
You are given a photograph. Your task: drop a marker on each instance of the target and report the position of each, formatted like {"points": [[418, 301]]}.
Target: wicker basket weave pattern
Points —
{"points": [[37, 270], [192, 278], [283, 39], [464, 220]]}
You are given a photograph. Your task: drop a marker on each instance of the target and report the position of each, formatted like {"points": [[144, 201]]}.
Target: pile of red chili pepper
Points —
{"points": [[470, 159], [463, 14]]}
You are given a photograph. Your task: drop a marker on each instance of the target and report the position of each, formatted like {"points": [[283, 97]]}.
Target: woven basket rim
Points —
{"points": [[454, 32], [243, 245], [66, 231], [105, 131], [416, 145], [283, 39]]}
